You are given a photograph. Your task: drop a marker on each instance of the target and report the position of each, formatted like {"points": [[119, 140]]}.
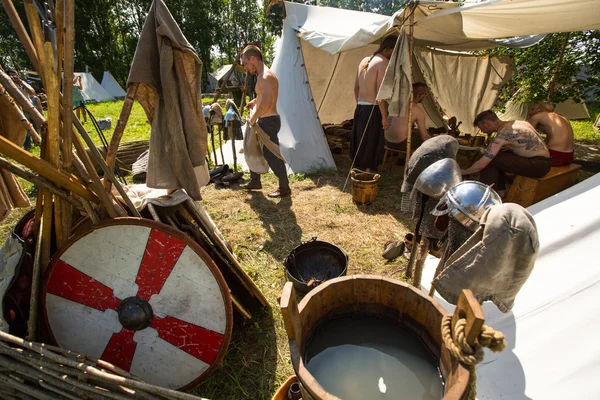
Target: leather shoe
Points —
{"points": [[280, 193], [253, 185]]}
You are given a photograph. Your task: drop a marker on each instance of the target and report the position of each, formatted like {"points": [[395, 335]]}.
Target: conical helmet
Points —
{"points": [[467, 202], [438, 178]]}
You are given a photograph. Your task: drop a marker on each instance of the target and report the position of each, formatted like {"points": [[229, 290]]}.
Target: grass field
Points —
{"points": [[263, 231]]}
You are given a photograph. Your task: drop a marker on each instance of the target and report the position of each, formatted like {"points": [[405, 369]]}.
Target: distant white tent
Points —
{"points": [[110, 84], [92, 90], [569, 109]]}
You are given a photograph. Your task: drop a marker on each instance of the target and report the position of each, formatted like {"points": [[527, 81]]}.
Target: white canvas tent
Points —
{"points": [[92, 90], [568, 109], [552, 351], [320, 48], [110, 84]]}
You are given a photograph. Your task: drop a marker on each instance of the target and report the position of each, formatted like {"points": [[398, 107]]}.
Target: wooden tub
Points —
{"points": [[367, 295]]}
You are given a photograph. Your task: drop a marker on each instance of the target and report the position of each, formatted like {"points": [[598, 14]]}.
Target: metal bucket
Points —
{"points": [[373, 296], [364, 186], [314, 262]]}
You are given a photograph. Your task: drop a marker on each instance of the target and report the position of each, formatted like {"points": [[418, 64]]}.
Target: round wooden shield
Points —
{"points": [[142, 296]]}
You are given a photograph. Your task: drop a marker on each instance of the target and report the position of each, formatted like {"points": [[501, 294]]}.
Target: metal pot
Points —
{"points": [[314, 262]]}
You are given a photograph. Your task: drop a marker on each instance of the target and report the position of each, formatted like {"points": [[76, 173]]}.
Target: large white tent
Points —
{"points": [[320, 48], [112, 87], [92, 90], [552, 351]]}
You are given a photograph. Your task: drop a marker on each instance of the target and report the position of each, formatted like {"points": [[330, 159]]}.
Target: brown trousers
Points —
{"points": [[507, 161]]}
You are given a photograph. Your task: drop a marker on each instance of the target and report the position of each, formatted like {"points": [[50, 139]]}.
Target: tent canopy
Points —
{"points": [[92, 90], [445, 25], [320, 48], [112, 87]]}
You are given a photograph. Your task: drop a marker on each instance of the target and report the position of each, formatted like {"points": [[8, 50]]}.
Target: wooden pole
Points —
{"points": [[232, 138], [113, 147], [46, 170], [107, 172], [67, 100], [19, 113], [21, 100], [53, 139], [22, 34], [36, 32], [244, 92], [39, 181], [410, 101], [558, 65], [32, 322]]}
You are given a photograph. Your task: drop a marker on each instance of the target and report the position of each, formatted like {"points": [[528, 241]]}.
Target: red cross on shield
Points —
{"points": [[142, 296]]}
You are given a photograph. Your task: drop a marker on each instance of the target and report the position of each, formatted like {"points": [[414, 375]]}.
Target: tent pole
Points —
{"points": [[410, 102]]}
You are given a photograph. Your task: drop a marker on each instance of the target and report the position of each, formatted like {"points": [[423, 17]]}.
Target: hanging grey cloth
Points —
{"points": [[495, 261]]}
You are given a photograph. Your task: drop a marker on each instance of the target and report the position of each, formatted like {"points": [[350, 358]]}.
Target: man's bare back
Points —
{"points": [[368, 80], [398, 131], [521, 138], [558, 130]]}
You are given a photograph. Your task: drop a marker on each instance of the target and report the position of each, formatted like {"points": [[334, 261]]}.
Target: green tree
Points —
{"points": [[12, 53], [536, 67]]}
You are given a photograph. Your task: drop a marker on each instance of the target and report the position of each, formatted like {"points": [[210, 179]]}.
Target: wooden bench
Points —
{"points": [[527, 191]]}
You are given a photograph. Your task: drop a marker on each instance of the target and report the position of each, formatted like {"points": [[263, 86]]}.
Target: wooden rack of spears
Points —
{"points": [[72, 198]]}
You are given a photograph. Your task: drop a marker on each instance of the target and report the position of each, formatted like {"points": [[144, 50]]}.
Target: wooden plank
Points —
{"points": [[468, 307], [46, 170], [53, 140], [289, 312]]}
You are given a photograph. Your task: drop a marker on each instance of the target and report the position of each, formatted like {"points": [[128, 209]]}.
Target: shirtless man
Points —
{"points": [[370, 116], [264, 113], [517, 149], [395, 136], [558, 131]]}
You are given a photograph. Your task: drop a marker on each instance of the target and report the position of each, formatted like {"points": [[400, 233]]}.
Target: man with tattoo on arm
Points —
{"points": [[516, 149]]}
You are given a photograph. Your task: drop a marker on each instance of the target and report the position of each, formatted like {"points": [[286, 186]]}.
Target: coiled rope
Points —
{"points": [[455, 341]]}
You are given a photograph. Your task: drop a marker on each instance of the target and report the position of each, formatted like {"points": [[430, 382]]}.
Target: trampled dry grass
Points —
{"points": [[263, 231]]}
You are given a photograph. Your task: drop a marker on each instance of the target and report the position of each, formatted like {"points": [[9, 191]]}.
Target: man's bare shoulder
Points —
{"points": [[379, 61], [268, 76], [417, 111]]}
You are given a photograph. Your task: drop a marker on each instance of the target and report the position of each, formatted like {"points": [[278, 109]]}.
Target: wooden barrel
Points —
{"points": [[368, 295], [364, 187]]}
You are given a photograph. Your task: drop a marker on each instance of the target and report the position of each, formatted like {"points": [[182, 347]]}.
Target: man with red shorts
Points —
{"points": [[558, 131]]}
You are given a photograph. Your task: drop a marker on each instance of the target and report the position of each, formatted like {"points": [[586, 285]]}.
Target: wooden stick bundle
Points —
{"points": [[42, 371]]}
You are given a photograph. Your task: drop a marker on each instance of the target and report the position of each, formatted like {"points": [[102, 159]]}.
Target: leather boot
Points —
{"points": [[253, 185], [280, 193]]}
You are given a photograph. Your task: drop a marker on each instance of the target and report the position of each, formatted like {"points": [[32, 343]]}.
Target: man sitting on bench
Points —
{"points": [[517, 149], [396, 134], [558, 131]]}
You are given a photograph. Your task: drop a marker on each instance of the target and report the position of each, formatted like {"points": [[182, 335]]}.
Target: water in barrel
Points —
{"points": [[362, 357]]}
